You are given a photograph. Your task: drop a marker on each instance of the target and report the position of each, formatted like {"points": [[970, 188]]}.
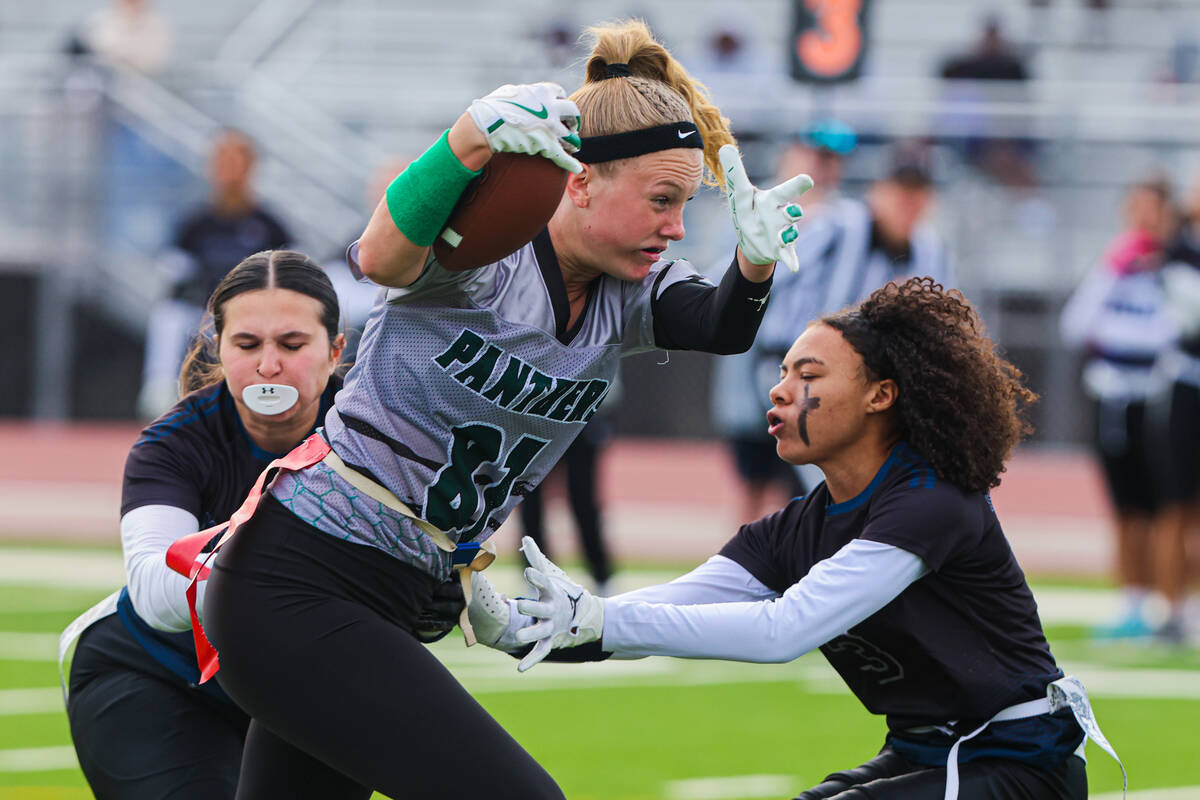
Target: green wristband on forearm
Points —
{"points": [[421, 198]]}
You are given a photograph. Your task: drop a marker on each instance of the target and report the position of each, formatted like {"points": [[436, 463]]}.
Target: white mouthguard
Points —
{"points": [[270, 398]]}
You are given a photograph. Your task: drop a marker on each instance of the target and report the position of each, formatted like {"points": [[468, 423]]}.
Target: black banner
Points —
{"points": [[829, 39]]}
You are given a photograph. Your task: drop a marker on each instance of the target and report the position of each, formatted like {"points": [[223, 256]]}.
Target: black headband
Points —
{"points": [[616, 71], [597, 149]]}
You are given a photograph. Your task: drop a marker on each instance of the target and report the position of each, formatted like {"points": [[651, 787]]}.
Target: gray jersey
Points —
{"points": [[465, 394]]}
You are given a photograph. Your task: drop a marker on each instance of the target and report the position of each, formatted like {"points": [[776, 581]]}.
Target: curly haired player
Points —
{"points": [[895, 567]]}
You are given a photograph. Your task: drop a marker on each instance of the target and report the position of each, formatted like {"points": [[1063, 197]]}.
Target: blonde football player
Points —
{"points": [[468, 387]]}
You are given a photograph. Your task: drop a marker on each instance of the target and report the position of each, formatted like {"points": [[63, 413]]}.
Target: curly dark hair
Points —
{"points": [[960, 404]]}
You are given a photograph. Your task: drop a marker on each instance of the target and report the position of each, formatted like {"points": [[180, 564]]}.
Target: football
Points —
{"points": [[500, 211]]}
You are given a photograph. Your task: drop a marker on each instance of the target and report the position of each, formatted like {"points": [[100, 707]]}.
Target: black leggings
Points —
{"points": [[890, 776], [315, 638]]}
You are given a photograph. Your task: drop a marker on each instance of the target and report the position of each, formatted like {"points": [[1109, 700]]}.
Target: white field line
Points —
{"points": [[38, 759], [486, 671], [28, 646], [1174, 793], [733, 786], [91, 569], [68, 569], [40, 600], [31, 701]]}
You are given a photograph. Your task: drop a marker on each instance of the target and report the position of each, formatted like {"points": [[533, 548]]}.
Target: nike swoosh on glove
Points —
{"points": [[531, 118]]}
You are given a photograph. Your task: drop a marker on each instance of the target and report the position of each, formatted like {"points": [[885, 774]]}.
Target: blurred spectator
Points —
{"points": [[726, 50], [740, 400], [1177, 429], [127, 32], [991, 59], [581, 463], [1183, 59], [1095, 30], [855, 247], [743, 82], [138, 180], [820, 152], [1119, 314], [561, 42], [851, 249], [207, 244], [1004, 157]]}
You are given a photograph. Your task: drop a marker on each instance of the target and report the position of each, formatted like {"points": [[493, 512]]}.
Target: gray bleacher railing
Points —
{"points": [[329, 88]]}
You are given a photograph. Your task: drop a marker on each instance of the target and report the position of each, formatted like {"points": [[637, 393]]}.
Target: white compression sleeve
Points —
{"points": [[718, 580], [158, 593], [833, 597]]}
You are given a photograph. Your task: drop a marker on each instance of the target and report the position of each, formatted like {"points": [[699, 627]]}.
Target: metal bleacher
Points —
{"points": [[331, 88]]}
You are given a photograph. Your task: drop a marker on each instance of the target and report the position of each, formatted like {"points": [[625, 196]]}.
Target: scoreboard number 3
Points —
{"points": [[829, 39]]}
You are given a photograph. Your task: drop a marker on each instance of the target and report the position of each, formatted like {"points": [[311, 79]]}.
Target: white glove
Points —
{"points": [[567, 614], [493, 616], [765, 221], [533, 118], [1181, 283]]}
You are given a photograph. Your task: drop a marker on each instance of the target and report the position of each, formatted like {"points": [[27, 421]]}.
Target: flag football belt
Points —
{"points": [[67, 638], [190, 556], [1067, 692]]}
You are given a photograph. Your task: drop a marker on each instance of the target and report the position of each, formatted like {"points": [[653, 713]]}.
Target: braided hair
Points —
{"points": [[654, 89]]}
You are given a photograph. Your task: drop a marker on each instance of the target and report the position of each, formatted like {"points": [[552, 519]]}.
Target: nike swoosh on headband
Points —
{"points": [[613, 146], [541, 113]]}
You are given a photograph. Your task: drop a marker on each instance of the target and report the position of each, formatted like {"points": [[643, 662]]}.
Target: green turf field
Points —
{"points": [[655, 729]]}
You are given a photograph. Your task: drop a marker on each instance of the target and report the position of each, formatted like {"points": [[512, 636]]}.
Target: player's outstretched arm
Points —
{"points": [[765, 220], [535, 119]]}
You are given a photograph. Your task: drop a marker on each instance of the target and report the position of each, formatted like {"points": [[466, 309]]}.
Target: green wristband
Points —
{"points": [[421, 198]]}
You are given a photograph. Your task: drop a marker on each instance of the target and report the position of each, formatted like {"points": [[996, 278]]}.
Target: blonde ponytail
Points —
{"points": [[658, 91]]}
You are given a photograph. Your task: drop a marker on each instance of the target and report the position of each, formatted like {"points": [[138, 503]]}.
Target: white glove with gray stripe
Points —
{"points": [[765, 220], [494, 617], [566, 614]]}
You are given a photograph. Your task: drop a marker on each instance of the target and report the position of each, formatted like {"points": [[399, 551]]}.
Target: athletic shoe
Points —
{"points": [[1171, 633], [1128, 627]]}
